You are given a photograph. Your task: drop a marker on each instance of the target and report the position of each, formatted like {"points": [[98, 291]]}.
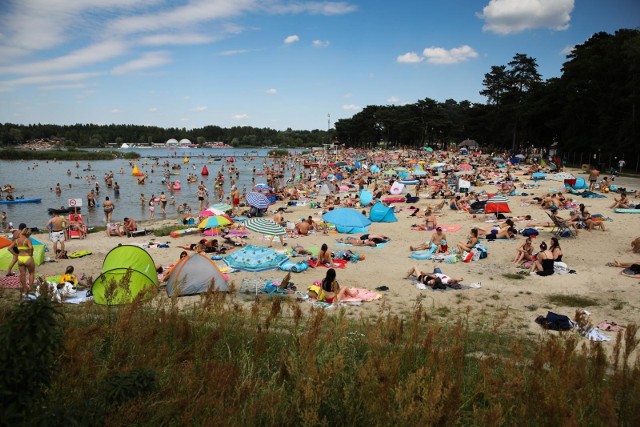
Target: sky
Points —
{"points": [[271, 63]]}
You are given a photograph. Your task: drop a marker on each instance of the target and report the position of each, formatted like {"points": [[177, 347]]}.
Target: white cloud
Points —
{"points": [[271, 91], [409, 58], [116, 111], [86, 56], [568, 50], [153, 109], [175, 39], [438, 55], [320, 43], [147, 60], [201, 108], [291, 39], [233, 52], [63, 87], [184, 16], [393, 100], [350, 107], [44, 79], [513, 16], [240, 117], [313, 8]]}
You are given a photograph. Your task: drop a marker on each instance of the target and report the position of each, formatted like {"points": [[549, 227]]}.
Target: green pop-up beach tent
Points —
{"points": [[107, 289]]}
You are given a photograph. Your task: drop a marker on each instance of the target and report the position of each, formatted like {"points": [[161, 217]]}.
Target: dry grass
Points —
{"points": [[225, 363]]}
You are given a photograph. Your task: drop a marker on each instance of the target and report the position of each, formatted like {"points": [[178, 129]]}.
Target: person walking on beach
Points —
{"points": [[56, 225], [91, 199], [108, 208]]}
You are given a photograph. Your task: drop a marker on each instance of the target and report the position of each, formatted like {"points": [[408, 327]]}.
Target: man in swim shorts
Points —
{"points": [[56, 225], [235, 198]]}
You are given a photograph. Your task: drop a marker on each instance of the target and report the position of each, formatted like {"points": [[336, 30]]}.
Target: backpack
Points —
{"points": [[530, 232]]}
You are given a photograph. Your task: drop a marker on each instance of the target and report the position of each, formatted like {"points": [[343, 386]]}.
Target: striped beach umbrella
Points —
{"points": [[265, 226], [497, 204], [258, 200]]}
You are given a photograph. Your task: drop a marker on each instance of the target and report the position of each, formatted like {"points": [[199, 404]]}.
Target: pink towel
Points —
{"points": [[363, 295], [450, 228]]}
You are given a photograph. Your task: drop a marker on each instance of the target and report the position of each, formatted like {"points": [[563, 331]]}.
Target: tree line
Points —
{"points": [[592, 106]]}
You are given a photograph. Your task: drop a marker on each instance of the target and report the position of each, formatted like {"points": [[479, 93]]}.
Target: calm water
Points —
{"points": [[38, 182]]}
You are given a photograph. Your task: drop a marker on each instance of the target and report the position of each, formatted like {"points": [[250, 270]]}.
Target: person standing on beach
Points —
{"points": [[152, 207], [116, 189], [108, 208], [16, 234], [593, 178], [22, 244], [235, 198], [56, 226]]}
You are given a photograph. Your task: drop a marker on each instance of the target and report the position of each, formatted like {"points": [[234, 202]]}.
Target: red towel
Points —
{"points": [[337, 263]]}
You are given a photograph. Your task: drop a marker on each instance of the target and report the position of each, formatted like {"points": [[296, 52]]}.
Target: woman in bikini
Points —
{"points": [[25, 259], [471, 242], [324, 256], [555, 249], [622, 202], [333, 293], [524, 252]]}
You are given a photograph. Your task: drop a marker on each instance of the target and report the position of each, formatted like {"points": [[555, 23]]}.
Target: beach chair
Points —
{"points": [[72, 230], [561, 228], [136, 233]]}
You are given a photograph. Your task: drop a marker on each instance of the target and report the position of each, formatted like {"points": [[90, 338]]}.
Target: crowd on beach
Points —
{"points": [[301, 179]]}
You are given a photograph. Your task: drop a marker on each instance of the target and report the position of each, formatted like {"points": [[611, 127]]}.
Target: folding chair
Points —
{"points": [[562, 227], [72, 231]]}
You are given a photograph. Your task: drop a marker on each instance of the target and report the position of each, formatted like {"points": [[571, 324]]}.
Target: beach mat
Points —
{"points": [[450, 228], [337, 263], [363, 295]]}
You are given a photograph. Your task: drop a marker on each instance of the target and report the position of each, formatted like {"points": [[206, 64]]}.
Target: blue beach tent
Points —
{"points": [[381, 213]]}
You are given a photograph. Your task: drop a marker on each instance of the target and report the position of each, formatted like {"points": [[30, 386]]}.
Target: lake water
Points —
{"points": [[38, 182]]}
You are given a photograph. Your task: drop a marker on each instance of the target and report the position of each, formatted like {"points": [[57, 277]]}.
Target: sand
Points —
{"points": [[618, 297]]}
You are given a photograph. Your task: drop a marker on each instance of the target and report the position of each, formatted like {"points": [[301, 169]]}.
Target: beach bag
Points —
{"points": [[530, 232]]}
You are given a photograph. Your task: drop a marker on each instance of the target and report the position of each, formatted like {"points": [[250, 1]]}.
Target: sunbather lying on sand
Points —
{"points": [[355, 241], [434, 279]]}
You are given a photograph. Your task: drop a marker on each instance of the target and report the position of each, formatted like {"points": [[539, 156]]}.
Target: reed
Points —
{"points": [[268, 362]]}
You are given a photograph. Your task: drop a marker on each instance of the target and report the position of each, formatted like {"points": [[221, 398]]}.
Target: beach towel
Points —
{"points": [[450, 228], [10, 282], [379, 245], [337, 263], [363, 295]]}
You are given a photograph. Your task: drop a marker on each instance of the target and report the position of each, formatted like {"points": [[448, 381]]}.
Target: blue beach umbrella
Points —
{"points": [[258, 200]]}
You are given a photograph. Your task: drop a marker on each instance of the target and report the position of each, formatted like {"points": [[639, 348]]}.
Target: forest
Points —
{"points": [[592, 106]]}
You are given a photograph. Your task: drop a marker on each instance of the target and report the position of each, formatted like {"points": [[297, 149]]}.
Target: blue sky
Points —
{"points": [[271, 63]]}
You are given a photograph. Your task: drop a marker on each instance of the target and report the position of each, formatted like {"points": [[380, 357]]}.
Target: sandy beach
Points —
{"points": [[618, 297]]}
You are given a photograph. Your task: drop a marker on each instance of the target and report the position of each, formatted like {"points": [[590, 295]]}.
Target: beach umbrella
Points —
{"points": [[437, 165], [465, 167], [497, 204], [265, 226], [389, 172], [520, 156], [401, 169], [258, 200], [498, 159], [214, 222], [418, 172], [429, 149], [358, 165], [255, 258], [340, 164], [374, 169], [346, 217]]}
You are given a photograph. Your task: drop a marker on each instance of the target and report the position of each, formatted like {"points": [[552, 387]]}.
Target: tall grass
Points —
{"points": [[225, 362]]}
